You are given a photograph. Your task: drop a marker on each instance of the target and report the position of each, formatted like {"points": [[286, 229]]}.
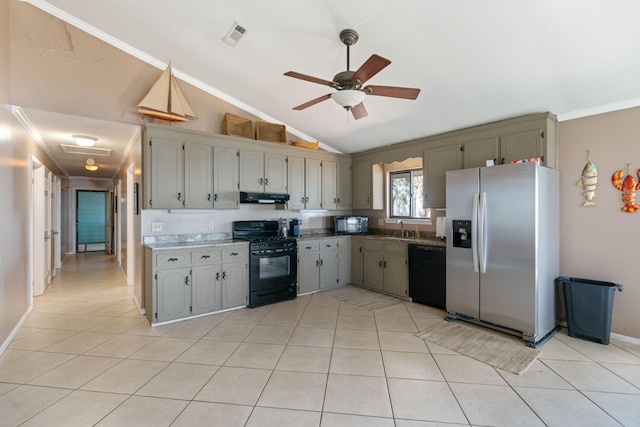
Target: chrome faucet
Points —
{"points": [[402, 225]]}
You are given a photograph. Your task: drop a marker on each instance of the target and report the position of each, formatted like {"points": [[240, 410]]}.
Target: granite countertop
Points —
{"points": [[429, 240], [196, 244]]}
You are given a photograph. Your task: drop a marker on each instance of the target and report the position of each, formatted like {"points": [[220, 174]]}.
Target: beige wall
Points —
{"points": [[602, 242]]}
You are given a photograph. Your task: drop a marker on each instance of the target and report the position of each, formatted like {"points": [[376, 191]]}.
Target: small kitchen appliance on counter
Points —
{"points": [[273, 262], [351, 224], [294, 227]]}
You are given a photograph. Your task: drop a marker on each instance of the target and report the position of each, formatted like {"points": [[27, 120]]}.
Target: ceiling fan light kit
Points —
{"points": [[349, 84]]}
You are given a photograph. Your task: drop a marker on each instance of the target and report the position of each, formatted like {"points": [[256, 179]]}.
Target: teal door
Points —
{"points": [[91, 221]]}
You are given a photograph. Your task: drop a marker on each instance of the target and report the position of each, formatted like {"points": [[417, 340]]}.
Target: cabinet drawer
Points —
{"points": [[206, 256], [308, 246], [373, 245], [328, 245], [235, 253], [395, 248], [167, 259]]}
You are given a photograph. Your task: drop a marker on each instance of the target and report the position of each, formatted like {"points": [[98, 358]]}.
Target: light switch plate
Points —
{"points": [[210, 225], [380, 221], [156, 226]]}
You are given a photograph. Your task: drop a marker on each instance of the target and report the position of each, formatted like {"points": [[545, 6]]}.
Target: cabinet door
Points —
{"points": [[436, 162], [395, 274], [357, 261], [295, 179], [167, 175], [328, 269], [275, 173], [361, 184], [308, 275], [225, 178], [343, 185], [313, 184], [329, 194], [198, 176], [206, 293], [235, 284], [174, 293], [476, 153], [522, 145], [344, 261], [251, 171], [373, 277]]}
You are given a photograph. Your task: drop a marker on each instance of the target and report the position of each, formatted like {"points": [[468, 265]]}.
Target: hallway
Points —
{"points": [[86, 357]]}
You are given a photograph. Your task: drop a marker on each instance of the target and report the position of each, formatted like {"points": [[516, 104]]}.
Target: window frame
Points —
{"points": [[413, 198]]}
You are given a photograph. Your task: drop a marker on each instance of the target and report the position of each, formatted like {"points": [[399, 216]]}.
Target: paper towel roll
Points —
{"points": [[441, 227]]}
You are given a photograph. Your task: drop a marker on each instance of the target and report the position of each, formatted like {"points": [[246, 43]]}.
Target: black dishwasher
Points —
{"points": [[428, 275]]}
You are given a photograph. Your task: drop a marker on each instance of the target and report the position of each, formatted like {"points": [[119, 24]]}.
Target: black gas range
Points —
{"points": [[273, 262]]}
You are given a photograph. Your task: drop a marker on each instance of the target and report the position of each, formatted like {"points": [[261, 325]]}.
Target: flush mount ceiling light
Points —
{"points": [[84, 141], [91, 165], [348, 98]]}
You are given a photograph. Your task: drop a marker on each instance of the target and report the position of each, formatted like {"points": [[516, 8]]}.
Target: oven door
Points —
{"points": [[272, 269]]}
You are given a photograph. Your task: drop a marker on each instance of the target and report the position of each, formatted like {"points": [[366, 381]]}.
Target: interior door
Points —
{"points": [[47, 227], [91, 220]]}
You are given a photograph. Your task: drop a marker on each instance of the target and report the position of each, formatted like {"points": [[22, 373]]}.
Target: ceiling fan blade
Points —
{"points": [[370, 68], [393, 91], [359, 111], [312, 79], [312, 102]]}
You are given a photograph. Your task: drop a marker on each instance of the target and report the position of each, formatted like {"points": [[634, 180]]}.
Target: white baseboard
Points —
{"points": [[15, 330], [624, 338]]}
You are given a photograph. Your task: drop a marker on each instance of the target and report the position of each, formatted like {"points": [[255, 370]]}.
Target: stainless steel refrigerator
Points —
{"points": [[503, 250]]}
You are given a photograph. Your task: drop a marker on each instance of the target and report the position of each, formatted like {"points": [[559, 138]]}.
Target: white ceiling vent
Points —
{"points": [[235, 34]]}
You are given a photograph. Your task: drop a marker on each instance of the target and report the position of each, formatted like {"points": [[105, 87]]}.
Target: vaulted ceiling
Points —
{"points": [[474, 61]]}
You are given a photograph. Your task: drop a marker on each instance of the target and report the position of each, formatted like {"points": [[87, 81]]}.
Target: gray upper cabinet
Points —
{"points": [[329, 185], [367, 185], [225, 178], [295, 166], [436, 162], [343, 185], [304, 183], [476, 153], [198, 176], [263, 172], [522, 145], [313, 184], [167, 175]]}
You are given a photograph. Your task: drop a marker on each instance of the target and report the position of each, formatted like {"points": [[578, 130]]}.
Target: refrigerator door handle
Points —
{"points": [[474, 233], [482, 244]]}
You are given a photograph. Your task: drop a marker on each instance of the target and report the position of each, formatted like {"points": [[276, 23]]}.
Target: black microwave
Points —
{"points": [[351, 224]]}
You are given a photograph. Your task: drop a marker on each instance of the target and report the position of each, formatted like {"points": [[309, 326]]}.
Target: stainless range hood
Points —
{"points": [[264, 198]]}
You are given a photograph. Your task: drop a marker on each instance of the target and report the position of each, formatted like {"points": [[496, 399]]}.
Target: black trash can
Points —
{"points": [[588, 305]]}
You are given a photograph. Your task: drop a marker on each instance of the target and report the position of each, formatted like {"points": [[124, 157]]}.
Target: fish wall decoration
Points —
{"points": [[628, 186], [589, 182]]}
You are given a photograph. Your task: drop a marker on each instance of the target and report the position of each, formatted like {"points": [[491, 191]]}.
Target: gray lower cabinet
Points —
{"points": [[357, 261], [317, 265], [386, 267], [184, 283], [344, 260]]}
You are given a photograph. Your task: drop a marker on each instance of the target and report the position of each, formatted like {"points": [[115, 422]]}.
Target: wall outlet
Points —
{"points": [[156, 226], [210, 225], [380, 221]]}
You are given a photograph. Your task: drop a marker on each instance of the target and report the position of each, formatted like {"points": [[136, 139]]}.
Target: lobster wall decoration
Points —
{"points": [[628, 186]]}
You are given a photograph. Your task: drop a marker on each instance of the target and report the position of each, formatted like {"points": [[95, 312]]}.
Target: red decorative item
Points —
{"points": [[628, 186]]}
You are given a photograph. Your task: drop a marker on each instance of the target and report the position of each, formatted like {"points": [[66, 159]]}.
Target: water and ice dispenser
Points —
{"points": [[461, 233]]}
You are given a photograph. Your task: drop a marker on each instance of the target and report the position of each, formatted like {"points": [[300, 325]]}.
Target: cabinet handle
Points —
{"points": [[209, 197], [233, 254], [306, 199], [301, 199], [317, 263], [261, 181], [186, 280], [215, 197], [338, 200], [360, 249], [384, 264], [307, 247], [266, 181], [172, 259], [205, 257], [224, 275], [217, 275], [380, 264], [502, 161], [321, 262], [368, 199], [179, 196], [327, 246]]}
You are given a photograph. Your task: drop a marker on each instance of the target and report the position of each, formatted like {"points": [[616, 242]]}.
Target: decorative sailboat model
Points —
{"points": [[166, 101]]}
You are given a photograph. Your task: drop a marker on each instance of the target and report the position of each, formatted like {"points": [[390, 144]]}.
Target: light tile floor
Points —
{"points": [[85, 357]]}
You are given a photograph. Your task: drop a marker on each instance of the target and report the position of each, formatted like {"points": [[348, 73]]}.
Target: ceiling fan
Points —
{"points": [[349, 84]]}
